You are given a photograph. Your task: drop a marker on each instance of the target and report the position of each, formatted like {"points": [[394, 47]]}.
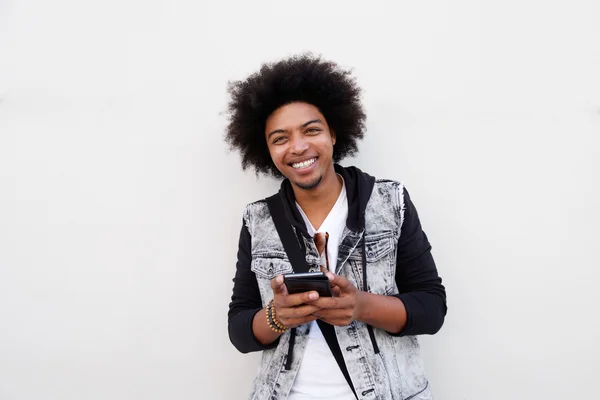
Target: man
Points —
{"points": [[297, 118]]}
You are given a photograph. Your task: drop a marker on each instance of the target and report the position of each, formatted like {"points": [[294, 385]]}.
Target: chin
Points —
{"points": [[311, 184]]}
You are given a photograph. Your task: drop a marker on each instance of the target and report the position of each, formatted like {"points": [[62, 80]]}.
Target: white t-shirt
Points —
{"points": [[319, 376]]}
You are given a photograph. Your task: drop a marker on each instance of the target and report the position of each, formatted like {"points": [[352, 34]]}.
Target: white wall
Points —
{"points": [[120, 207]]}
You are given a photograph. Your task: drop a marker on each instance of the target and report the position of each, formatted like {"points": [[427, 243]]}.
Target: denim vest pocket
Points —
{"points": [[268, 266], [379, 245], [381, 261]]}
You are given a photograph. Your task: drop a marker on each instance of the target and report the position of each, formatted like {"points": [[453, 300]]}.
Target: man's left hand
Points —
{"points": [[344, 307]]}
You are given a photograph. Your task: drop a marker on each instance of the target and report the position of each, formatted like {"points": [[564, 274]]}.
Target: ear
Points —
{"points": [[332, 132]]}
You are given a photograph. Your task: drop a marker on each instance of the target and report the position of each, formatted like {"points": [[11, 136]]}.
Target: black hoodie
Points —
{"points": [[420, 287]]}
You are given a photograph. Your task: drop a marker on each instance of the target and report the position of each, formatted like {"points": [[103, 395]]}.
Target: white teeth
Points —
{"points": [[304, 164]]}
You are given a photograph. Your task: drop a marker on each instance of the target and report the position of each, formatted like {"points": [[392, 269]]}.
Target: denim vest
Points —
{"points": [[396, 372]]}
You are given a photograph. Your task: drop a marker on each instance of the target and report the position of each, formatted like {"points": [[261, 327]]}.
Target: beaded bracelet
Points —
{"points": [[274, 323], [275, 326], [272, 320], [274, 317]]}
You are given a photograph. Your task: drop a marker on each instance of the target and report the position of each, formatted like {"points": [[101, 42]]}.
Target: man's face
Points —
{"points": [[300, 143]]}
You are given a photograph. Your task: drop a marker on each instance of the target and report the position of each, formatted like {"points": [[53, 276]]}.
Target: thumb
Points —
{"points": [[336, 291], [342, 282], [277, 285]]}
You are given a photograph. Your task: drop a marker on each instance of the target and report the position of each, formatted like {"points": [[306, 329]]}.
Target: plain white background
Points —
{"points": [[120, 205]]}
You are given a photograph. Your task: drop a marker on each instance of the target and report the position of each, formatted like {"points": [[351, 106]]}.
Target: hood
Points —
{"points": [[359, 186]]}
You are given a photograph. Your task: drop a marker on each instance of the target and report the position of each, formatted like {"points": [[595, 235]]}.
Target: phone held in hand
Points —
{"points": [[305, 282]]}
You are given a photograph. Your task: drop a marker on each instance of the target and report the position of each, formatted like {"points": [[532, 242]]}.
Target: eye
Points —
{"points": [[279, 140], [313, 130]]}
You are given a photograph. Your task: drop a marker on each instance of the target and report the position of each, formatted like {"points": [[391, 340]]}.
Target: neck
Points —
{"points": [[317, 202]]}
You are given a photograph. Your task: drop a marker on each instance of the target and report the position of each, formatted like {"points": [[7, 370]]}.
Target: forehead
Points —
{"points": [[293, 115]]}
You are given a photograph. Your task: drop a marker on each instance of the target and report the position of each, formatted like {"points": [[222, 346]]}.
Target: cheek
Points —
{"points": [[276, 155], [327, 146]]}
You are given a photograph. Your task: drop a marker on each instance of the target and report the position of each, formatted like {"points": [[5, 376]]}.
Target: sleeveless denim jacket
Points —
{"points": [[396, 372]]}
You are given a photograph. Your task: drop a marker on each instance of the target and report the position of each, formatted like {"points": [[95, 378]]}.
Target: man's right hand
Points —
{"points": [[291, 309]]}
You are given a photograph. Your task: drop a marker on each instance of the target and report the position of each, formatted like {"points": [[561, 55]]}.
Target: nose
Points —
{"points": [[298, 144]]}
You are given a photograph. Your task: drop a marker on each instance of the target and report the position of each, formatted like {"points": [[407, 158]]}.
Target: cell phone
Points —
{"points": [[307, 281]]}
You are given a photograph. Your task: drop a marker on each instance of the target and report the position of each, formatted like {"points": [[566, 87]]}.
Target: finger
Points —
{"points": [[344, 284], [296, 312], [340, 313], [328, 302], [334, 302], [322, 314], [336, 291], [277, 285], [294, 322], [292, 300]]}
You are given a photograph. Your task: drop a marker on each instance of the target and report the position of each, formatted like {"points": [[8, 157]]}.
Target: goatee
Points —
{"points": [[310, 185]]}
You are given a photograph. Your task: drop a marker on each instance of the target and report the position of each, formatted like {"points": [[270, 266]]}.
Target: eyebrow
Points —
{"points": [[304, 125]]}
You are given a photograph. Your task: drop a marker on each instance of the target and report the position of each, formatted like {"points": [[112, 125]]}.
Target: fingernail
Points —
{"points": [[313, 296]]}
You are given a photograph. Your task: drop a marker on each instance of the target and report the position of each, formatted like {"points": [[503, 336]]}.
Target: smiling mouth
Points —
{"points": [[304, 164]]}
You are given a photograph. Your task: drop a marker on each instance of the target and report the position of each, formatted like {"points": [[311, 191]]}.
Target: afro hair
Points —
{"points": [[304, 78]]}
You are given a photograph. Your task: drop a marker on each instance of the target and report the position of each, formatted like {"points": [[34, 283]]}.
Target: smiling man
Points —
{"points": [[297, 119], [309, 160]]}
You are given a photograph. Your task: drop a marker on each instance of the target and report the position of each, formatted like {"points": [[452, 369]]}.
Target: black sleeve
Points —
{"points": [[245, 300], [419, 285]]}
